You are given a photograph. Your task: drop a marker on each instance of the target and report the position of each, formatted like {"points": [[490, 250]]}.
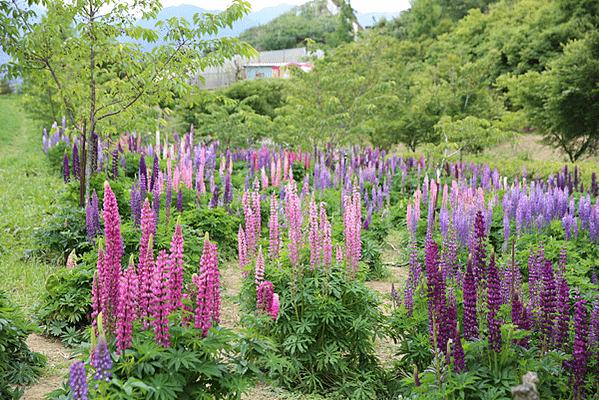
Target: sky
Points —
{"points": [[363, 6]]}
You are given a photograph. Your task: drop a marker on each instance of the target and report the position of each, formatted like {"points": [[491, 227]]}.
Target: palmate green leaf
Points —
{"points": [[164, 386]]}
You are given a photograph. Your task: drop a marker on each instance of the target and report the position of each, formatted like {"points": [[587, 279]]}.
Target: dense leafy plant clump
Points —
{"points": [[18, 364]]}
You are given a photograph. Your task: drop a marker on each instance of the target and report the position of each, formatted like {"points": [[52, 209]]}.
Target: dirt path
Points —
{"points": [[59, 360]]}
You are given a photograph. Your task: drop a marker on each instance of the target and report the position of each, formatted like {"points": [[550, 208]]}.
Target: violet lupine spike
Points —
{"points": [[207, 312], [273, 228], [76, 166], [459, 359], [493, 304], [78, 381], [593, 344], [168, 197], [180, 201], [92, 219], [560, 334], [155, 172], [477, 248], [214, 200], [259, 269], [414, 279], [470, 313], [159, 304], [102, 363], [66, 174], [176, 267], [578, 364], [114, 253], [127, 307], [315, 242], [548, 303], [115, 165]]}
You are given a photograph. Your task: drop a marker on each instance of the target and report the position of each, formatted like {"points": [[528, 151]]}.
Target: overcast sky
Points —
{"points": [[363, 6]]}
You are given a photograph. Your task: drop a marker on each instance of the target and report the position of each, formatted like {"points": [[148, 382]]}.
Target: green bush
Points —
{"points": [[326, 328], [221, 227], [18, 364]]}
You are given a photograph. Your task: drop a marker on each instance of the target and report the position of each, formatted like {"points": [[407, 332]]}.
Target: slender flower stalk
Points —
{"points": [[159, 304], [208, 289], [493, 304], [114, 252], [176, 268], [259, 270], [273, 225]]}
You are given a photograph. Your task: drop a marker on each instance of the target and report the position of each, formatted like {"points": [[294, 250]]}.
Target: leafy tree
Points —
{"points": [[345, 32], [98, 73], [563, 101], [289, 30], [336, 101]]}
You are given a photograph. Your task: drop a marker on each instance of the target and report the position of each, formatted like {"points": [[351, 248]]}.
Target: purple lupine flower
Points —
{"points": [[102, 362], [242, 249], [470, 314], [214, 201], [127, 307], [94, 146], [115, 165], [76, 166], [395, 297], [560, 334], [155, 172], [548, 303], [146, 266], [594, 335], [207, 312], [176, 267], [159, 303], [78, 381], [228, 194], [180, 201], [493, 304], [459, 359], [273, 227], [114, 253], [578, 364], [477, 248], [66, 174], [92, 219], [168, 197]]}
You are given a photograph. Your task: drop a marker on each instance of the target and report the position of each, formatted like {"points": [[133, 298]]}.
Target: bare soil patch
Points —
{"points": [[59, 360]]}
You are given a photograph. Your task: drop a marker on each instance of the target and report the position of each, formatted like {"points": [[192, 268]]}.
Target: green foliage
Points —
{"points": [[562, 101], [61, 233], [221, 227], [65, 308], [309, 21], [18, 364], [5, 87], [326, 328]]}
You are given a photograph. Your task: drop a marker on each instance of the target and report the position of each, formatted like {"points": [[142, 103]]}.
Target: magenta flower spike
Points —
{"points": [[176, 267], [127, 307], [470, 313], [96, 285], [159, 305], [580, 356], [273, 227], [493, 304], [208, 286], [264, 297], [114, 253], [250, 228]]}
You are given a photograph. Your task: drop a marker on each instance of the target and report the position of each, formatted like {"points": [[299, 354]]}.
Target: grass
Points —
{"points": [[28, 195]]}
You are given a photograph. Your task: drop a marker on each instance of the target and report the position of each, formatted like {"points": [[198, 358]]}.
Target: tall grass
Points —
{"points": [[27, 195]]}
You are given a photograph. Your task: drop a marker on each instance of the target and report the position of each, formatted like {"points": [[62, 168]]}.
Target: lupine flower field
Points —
{"points": [[500, 273]]}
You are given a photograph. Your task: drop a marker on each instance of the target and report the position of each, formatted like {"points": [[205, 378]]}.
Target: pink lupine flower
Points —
{"points": [[208, 286], [259, 270], [293, 214], [274, 310], [72, 260], [250, 228], [325, 229], [264, 179], [353, 226], [159, 306], [256, 214], [176, 267], [145, 268], [264, 296], [242, 249], [127, 307], [273, 227], [114, 251], [339, 254], [315, 245]]}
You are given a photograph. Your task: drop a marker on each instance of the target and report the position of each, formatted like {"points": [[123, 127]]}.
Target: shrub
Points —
{"points": [[18, 364]]}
